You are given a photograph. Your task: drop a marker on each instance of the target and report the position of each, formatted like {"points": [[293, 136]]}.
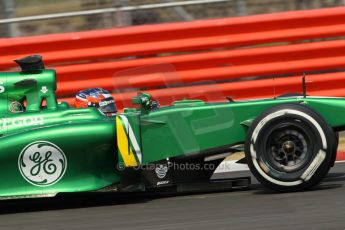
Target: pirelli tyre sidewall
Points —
{"points": [[275, 167]]}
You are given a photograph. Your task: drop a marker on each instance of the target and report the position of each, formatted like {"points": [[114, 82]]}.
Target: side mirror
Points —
{"points": [[143, 100]]}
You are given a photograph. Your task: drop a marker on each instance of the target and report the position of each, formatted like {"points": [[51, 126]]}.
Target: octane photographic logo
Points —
{"points": [[42, 163], [161, 171]]}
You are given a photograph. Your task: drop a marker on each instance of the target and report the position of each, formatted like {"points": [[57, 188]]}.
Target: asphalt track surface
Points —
{"points": [[256, 208]]}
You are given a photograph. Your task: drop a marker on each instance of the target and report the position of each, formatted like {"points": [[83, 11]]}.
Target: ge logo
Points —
{"points": [[42, 163]]}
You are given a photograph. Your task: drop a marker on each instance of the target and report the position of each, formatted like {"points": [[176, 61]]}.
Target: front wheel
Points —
{"points": [[290, 148]]}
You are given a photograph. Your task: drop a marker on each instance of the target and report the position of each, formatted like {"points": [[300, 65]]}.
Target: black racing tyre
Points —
{"points": [[336, 136], [290, 95], [290, 148]]}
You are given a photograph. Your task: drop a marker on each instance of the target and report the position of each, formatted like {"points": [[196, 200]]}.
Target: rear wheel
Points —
{"points": [[290, 148], [290, 95], [336, 136]]}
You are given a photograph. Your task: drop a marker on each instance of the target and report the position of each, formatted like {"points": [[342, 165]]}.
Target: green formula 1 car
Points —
{"points": [[48, 148]]}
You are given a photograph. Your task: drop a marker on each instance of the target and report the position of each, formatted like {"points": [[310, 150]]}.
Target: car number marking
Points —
{"points": [[2, 87]]}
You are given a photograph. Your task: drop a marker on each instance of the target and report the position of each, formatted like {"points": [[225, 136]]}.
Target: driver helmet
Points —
{"points": [[96, 97]]}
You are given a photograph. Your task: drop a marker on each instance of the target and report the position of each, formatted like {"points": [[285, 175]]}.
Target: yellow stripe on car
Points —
{"points": [[124, 146]]}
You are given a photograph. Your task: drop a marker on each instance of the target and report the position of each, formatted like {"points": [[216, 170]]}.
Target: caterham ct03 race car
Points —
{"points": [[50, 148]]}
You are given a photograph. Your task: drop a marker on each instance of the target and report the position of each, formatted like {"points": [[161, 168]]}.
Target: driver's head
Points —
{"points": [[96, 97]]}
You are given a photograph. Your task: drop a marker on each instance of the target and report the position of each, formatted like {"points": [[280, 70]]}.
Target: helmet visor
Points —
{"points": [[107, 105]]}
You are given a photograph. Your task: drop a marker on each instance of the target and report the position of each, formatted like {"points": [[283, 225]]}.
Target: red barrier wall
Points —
{"points": [[169, 59]]}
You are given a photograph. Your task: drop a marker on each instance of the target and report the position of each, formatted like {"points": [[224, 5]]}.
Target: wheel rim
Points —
{"points": [[287, 149]]}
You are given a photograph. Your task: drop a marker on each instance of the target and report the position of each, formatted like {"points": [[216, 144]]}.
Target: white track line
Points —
{"points": [[232, 166]]}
